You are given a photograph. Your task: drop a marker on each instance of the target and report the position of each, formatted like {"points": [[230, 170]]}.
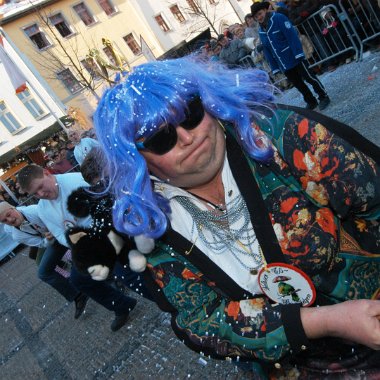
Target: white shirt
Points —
{"points": [[54, 212], [182, 222], [31, 232]]}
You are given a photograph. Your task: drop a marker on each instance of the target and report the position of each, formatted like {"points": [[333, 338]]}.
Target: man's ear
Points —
{"points": [[47, 173]]}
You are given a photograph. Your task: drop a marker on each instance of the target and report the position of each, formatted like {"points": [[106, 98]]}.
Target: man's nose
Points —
{"points": [[39, 194], [185, 136]]}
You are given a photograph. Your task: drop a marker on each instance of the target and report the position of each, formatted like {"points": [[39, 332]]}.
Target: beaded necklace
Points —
{"points": [[240, 242]]}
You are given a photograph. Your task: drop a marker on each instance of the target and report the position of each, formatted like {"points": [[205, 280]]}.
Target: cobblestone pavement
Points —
{"points": [[41, 340]]}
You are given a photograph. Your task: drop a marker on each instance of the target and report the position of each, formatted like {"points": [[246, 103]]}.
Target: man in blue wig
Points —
{"points": [[266, 217]]}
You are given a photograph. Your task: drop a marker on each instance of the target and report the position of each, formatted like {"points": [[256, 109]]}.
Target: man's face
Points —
{"points": [[238, 32], [44, 187], [12, 217], [74, 137], [196, 158], [260, 15], [249, 21]]}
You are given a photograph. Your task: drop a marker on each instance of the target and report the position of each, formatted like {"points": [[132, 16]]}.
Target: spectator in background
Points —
{"points": [[61, 164], [283, 51], [70, 154], [25, 227], [82, 145], [31, 229], [233, 50], [252, 27], [53, 192]]}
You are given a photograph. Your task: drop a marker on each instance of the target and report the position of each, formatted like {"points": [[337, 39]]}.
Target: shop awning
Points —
{"points": [[33, 141]]}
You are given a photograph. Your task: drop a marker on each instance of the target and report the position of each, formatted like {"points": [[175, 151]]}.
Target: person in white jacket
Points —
{"points": [[53, 191], [24, 225], [83, 145]]}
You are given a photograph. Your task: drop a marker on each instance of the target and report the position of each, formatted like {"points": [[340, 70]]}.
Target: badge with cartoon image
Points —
{"points": [[285, 284]]}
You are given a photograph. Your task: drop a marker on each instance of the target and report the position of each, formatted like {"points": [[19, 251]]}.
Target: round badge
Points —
{"points": [[285, 284]]}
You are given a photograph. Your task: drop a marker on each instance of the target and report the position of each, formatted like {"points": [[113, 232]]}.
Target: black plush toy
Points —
{"points": [[96, 249]]}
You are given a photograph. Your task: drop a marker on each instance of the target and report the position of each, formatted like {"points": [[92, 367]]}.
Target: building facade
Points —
{"points": [[73, 46], [27, 107]]}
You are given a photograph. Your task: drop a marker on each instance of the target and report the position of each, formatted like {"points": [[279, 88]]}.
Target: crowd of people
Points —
{"points": [[265, 217], [240, 43]]}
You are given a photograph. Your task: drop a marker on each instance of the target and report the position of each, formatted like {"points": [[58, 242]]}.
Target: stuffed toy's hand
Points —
{"points": [[137, 260]]}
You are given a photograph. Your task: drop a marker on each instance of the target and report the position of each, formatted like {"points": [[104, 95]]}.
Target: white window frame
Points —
{"points": [[137, 42], [9, 117], [43, 34], [194, 8], [174, 14], [165, 21], [64, 20], [115, 9], [32, 104], [67, 87], [89, 12]]}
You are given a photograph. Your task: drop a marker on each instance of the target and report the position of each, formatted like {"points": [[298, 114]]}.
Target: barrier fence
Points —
{"points": [[341, 30], [337, 31]]}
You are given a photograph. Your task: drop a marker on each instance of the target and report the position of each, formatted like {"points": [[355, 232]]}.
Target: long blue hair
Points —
{"points": [[157, 92]]}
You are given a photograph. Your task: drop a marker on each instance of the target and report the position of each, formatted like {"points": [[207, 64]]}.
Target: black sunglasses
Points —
{"points": [[164, 139]]}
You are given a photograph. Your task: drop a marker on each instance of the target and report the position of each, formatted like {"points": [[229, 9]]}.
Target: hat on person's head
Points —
{"points": [[5, 206], [258, 6]]}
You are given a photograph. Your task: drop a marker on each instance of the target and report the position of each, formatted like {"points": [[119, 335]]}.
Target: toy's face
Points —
{"points": [[98, 272]]}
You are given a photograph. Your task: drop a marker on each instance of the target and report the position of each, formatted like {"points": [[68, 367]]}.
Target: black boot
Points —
{"points": [[121, 319], [80, 304]]}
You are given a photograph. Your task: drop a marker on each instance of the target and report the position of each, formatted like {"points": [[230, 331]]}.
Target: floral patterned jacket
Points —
{"points": [[315, 206]]}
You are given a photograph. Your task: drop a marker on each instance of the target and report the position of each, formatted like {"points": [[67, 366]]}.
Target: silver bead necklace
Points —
{"points": [[221, 236]]}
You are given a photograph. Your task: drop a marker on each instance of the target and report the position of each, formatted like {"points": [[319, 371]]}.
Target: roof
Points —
{"points": [[15, 10]]}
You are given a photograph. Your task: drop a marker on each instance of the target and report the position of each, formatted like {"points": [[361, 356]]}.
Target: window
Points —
{"points": [[61, 25], [107, 7], [194, 7], [84, 14], [163, 25], [31, 104], [37, 36], [132, 44], [69, 81], [89, 66], [8, 120], [177, 13]]}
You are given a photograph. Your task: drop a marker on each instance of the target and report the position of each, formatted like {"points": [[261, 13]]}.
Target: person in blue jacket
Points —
{"points": [[283, 51]]}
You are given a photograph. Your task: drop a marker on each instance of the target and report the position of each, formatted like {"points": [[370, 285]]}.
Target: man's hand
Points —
{"points": [[49, 236], [357, 321]]}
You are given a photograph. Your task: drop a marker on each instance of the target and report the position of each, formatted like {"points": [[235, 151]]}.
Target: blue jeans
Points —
{"points": [[102, 292], [132, 280], [46, 271]]}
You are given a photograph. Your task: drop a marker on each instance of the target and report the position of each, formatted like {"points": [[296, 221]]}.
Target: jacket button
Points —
{"points": [[254, 272], [303, 347], [277, 365]]}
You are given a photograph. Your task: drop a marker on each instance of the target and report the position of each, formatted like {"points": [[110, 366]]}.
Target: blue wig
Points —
{"points": [[157, 92]]}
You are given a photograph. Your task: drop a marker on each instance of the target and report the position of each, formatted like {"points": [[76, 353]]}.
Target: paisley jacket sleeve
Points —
{"points": [[336, 167]]}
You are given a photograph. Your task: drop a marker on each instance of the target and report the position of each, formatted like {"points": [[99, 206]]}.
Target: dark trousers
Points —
{"points": [[46, 271], [102, 292], [300, 74]]}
